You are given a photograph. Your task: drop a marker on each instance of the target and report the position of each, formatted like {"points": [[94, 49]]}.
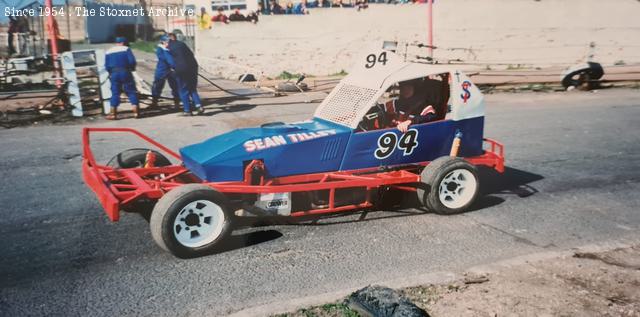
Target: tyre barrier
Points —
{"points": [[382, 301], [583, 75], [291, 87]]}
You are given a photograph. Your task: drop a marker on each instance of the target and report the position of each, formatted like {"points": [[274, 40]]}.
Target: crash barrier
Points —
{"points": [[92, 61], [17, 70]]}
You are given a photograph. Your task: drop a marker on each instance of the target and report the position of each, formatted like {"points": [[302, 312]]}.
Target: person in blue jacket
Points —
{"points": [[186, 67], [120, 62], [164, 73]]}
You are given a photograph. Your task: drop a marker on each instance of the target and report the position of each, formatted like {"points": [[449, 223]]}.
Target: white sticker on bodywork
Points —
{"points": [[276, 203]]}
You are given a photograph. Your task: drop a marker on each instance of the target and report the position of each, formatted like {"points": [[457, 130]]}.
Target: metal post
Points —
{"points": [[166, 19], [43, 38], [135, 24], [54, 43], [66, 4], [73, 87], [103, 78], [86, 24], [430, 31], [32, 36], [592, 51]]}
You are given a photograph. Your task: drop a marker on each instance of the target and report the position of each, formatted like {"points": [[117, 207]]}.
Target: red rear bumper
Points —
{"points": [[94, 180], [117, 188]]}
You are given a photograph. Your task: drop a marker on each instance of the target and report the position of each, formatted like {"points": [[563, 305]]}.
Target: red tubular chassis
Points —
{"points": [[117, 188]]}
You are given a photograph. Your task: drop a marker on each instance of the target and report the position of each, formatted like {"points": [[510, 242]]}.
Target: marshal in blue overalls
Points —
{"points": [[120, 62], [186, 67], [164, 73]]}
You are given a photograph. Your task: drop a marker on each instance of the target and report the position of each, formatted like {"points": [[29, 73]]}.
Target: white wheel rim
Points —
{"points": [[457, 188], [198, 223]]}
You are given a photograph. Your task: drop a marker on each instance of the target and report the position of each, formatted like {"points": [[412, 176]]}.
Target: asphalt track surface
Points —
{"points": [[573, 179]]}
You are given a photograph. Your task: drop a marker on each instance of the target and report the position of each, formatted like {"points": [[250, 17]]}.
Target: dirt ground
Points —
{"points": [[585, 284]]}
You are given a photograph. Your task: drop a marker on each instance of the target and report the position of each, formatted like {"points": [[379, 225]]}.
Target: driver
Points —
{"points": [[411, 107]]}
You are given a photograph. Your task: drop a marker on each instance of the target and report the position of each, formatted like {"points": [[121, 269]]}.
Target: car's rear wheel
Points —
{"points": [[133, 158], [450, 185], [190, 220], [137, 158]]}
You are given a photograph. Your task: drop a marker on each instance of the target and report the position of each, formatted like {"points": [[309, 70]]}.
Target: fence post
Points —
{"points": [[430, 31]]}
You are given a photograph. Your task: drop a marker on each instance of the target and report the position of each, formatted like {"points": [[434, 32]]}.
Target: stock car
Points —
{"points": [[343, 159]]}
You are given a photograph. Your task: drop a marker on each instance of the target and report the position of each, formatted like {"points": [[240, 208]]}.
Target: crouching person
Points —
{"points": [[120, 62]]}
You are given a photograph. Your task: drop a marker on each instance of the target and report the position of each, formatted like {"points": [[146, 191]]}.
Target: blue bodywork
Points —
{"points": [[321, 146]]}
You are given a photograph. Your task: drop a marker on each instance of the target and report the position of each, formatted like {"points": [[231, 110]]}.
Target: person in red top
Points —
{"points": [[220, 17], [411, 107]]}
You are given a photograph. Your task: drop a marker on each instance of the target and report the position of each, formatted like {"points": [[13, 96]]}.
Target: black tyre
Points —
{"points": [[449, 185], [134, 158], [190, 220], [291, 87], [247, 78], [577, 75]]}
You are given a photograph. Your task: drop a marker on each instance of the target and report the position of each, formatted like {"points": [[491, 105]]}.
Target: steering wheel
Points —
{"points": [[376, 113]]}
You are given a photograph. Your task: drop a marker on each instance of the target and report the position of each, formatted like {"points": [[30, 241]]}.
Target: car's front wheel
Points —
{"points": [[449, 185], [190, 220]]}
